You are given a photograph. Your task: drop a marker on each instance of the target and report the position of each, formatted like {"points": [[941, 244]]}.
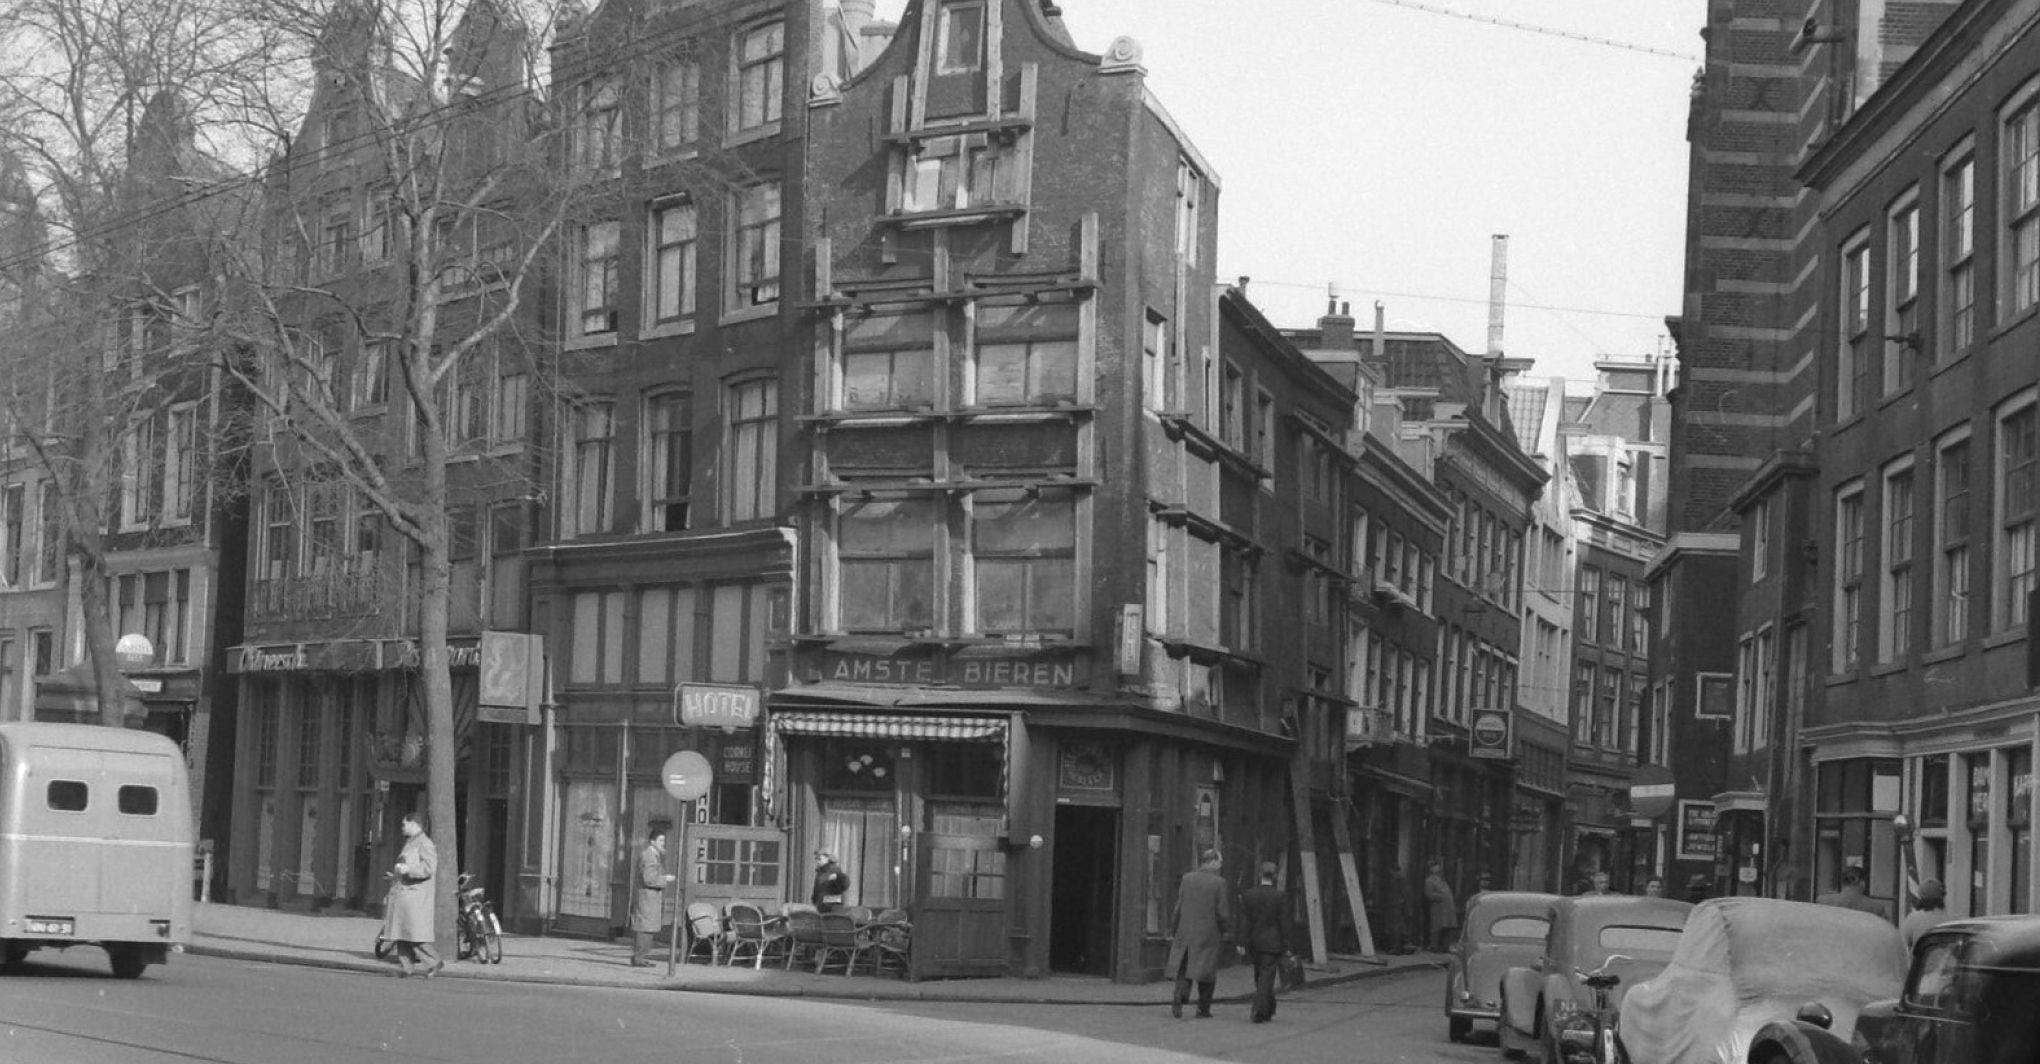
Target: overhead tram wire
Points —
{"points": [[1471, 300], [1544, 30]]}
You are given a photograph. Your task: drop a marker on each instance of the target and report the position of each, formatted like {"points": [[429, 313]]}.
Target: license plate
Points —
{"points": [[49, 925]]}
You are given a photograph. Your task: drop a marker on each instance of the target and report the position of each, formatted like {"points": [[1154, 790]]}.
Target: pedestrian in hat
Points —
{"points": [[408, 919], [1197, 928], [830, 883], [1266, 912], [1929, 909], [1443, 909], [1854, 894]]}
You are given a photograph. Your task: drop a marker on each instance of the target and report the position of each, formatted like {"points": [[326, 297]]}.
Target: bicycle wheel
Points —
{"points": [[470, 939], [491, 950]]}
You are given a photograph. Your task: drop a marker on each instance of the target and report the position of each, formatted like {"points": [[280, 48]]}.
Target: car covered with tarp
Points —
{"points": [[1747, 963]]}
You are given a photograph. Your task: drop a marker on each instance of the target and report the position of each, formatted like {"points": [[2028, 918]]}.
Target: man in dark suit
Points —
{"points": [[1266, 911], [1198, 929]]}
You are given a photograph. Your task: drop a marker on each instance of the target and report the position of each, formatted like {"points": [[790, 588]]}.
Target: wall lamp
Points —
{"points": [[1812, 33]]}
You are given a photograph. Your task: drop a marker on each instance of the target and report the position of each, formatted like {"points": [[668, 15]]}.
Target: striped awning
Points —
{"points": [[891, 726]]}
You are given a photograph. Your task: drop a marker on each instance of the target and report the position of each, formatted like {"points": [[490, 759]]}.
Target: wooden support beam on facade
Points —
{"points": [[1306, 849], [1341, 836]]}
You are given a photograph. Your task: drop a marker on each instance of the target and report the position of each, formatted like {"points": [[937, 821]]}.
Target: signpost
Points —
{"points": [[686, 776], [1651, 791]]}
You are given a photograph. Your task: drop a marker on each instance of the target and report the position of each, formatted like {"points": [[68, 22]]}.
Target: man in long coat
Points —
{"points": [[1265, 910], [408, 919], [1444, 909], [648, 903], [1199, 926]]}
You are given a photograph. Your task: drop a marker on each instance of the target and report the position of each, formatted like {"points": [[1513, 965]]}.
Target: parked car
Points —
{"points": [[1633, 936], [1971, 996], [1501, 929], [1743, 963]]}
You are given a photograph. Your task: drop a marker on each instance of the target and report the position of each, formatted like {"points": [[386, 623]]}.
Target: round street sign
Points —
{"points": [[1651, 791], [686, 776]]}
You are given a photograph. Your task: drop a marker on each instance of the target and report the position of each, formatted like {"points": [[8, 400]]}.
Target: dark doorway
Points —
{"points": [[1080, 918]]}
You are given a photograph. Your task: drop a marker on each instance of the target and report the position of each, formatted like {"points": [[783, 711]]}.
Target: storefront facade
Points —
{"points": [[330, 756]]}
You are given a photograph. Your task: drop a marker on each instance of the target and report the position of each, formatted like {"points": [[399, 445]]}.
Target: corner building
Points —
{"points": [[1034, 554]]}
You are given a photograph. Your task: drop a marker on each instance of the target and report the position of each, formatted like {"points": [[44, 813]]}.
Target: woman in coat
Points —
{"points": [[1198, 929], [410, 915]]}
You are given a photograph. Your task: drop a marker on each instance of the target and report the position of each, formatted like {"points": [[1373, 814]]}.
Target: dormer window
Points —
{"points": [[962, 34]]}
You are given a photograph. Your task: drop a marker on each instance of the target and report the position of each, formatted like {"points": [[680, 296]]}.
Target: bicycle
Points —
{"points": [[1595, 1041], [481, 934]]}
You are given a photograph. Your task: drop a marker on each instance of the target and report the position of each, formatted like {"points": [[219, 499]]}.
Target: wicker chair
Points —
{"points": [[841, 938], [705, 924], [891, 938], [804, 935], [751, 930]]}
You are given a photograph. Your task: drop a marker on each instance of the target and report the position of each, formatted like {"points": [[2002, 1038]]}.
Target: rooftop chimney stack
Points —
{"points": [[1380, 335], [1498, 294], [1335, 329]]}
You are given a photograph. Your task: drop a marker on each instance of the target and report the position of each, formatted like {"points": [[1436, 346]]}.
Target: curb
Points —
{"points": [[905, 991]]}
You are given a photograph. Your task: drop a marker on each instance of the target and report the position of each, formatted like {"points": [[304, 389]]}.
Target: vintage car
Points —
{"points": [[1501, 929], [1544, 1000], [1744, 963], [1971, 996]]}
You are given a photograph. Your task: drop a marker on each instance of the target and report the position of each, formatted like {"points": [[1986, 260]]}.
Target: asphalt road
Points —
{"points": [[63, 1008]]}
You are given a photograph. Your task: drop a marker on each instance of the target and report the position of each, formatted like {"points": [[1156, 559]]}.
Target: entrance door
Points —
{"points": [[1080, 919], [960, 904]]}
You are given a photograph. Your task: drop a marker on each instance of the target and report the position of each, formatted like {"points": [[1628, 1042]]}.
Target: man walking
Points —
{"points": [[1266, 910], [648, 903], [1853, 895], [1199, 926], [1444, 909]]}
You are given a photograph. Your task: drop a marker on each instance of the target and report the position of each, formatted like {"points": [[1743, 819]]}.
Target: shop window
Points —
{"points": [[1977, 776], [740, 862], [2019, 825], [857, 765], [962, 770]]}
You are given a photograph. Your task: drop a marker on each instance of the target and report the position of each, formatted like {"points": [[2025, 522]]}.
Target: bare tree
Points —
{"points": [[101, 102]]}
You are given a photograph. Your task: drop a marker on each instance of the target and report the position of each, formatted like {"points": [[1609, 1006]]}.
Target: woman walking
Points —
{"points": [[410, 914]]}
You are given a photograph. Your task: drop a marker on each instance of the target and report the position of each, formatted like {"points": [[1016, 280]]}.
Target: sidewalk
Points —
{"points": [[344, 943]]}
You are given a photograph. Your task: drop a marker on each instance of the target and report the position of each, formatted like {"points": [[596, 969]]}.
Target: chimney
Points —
{"points": [[1498, 294], [1380, 335], [1335, 329]]}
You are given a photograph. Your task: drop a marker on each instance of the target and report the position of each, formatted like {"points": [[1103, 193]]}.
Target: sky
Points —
{"points": [[1378, 146]]}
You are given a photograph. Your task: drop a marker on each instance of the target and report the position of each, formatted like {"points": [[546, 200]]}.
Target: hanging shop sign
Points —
{"points": [[715, 705]]}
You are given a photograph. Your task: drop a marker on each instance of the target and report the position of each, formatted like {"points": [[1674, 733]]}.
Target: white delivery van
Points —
{"points": [[95, 843]]}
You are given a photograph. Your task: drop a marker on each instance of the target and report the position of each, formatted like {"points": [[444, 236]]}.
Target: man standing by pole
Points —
{"points": [[648, 904], [1266, 910], [1199, 927]]}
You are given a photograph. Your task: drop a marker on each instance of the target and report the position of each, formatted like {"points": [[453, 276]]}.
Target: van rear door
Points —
{"points": [[141, 863], [63, 831]]}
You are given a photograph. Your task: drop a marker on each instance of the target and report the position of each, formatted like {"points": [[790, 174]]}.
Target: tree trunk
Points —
{"points": [[117, 709]]}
